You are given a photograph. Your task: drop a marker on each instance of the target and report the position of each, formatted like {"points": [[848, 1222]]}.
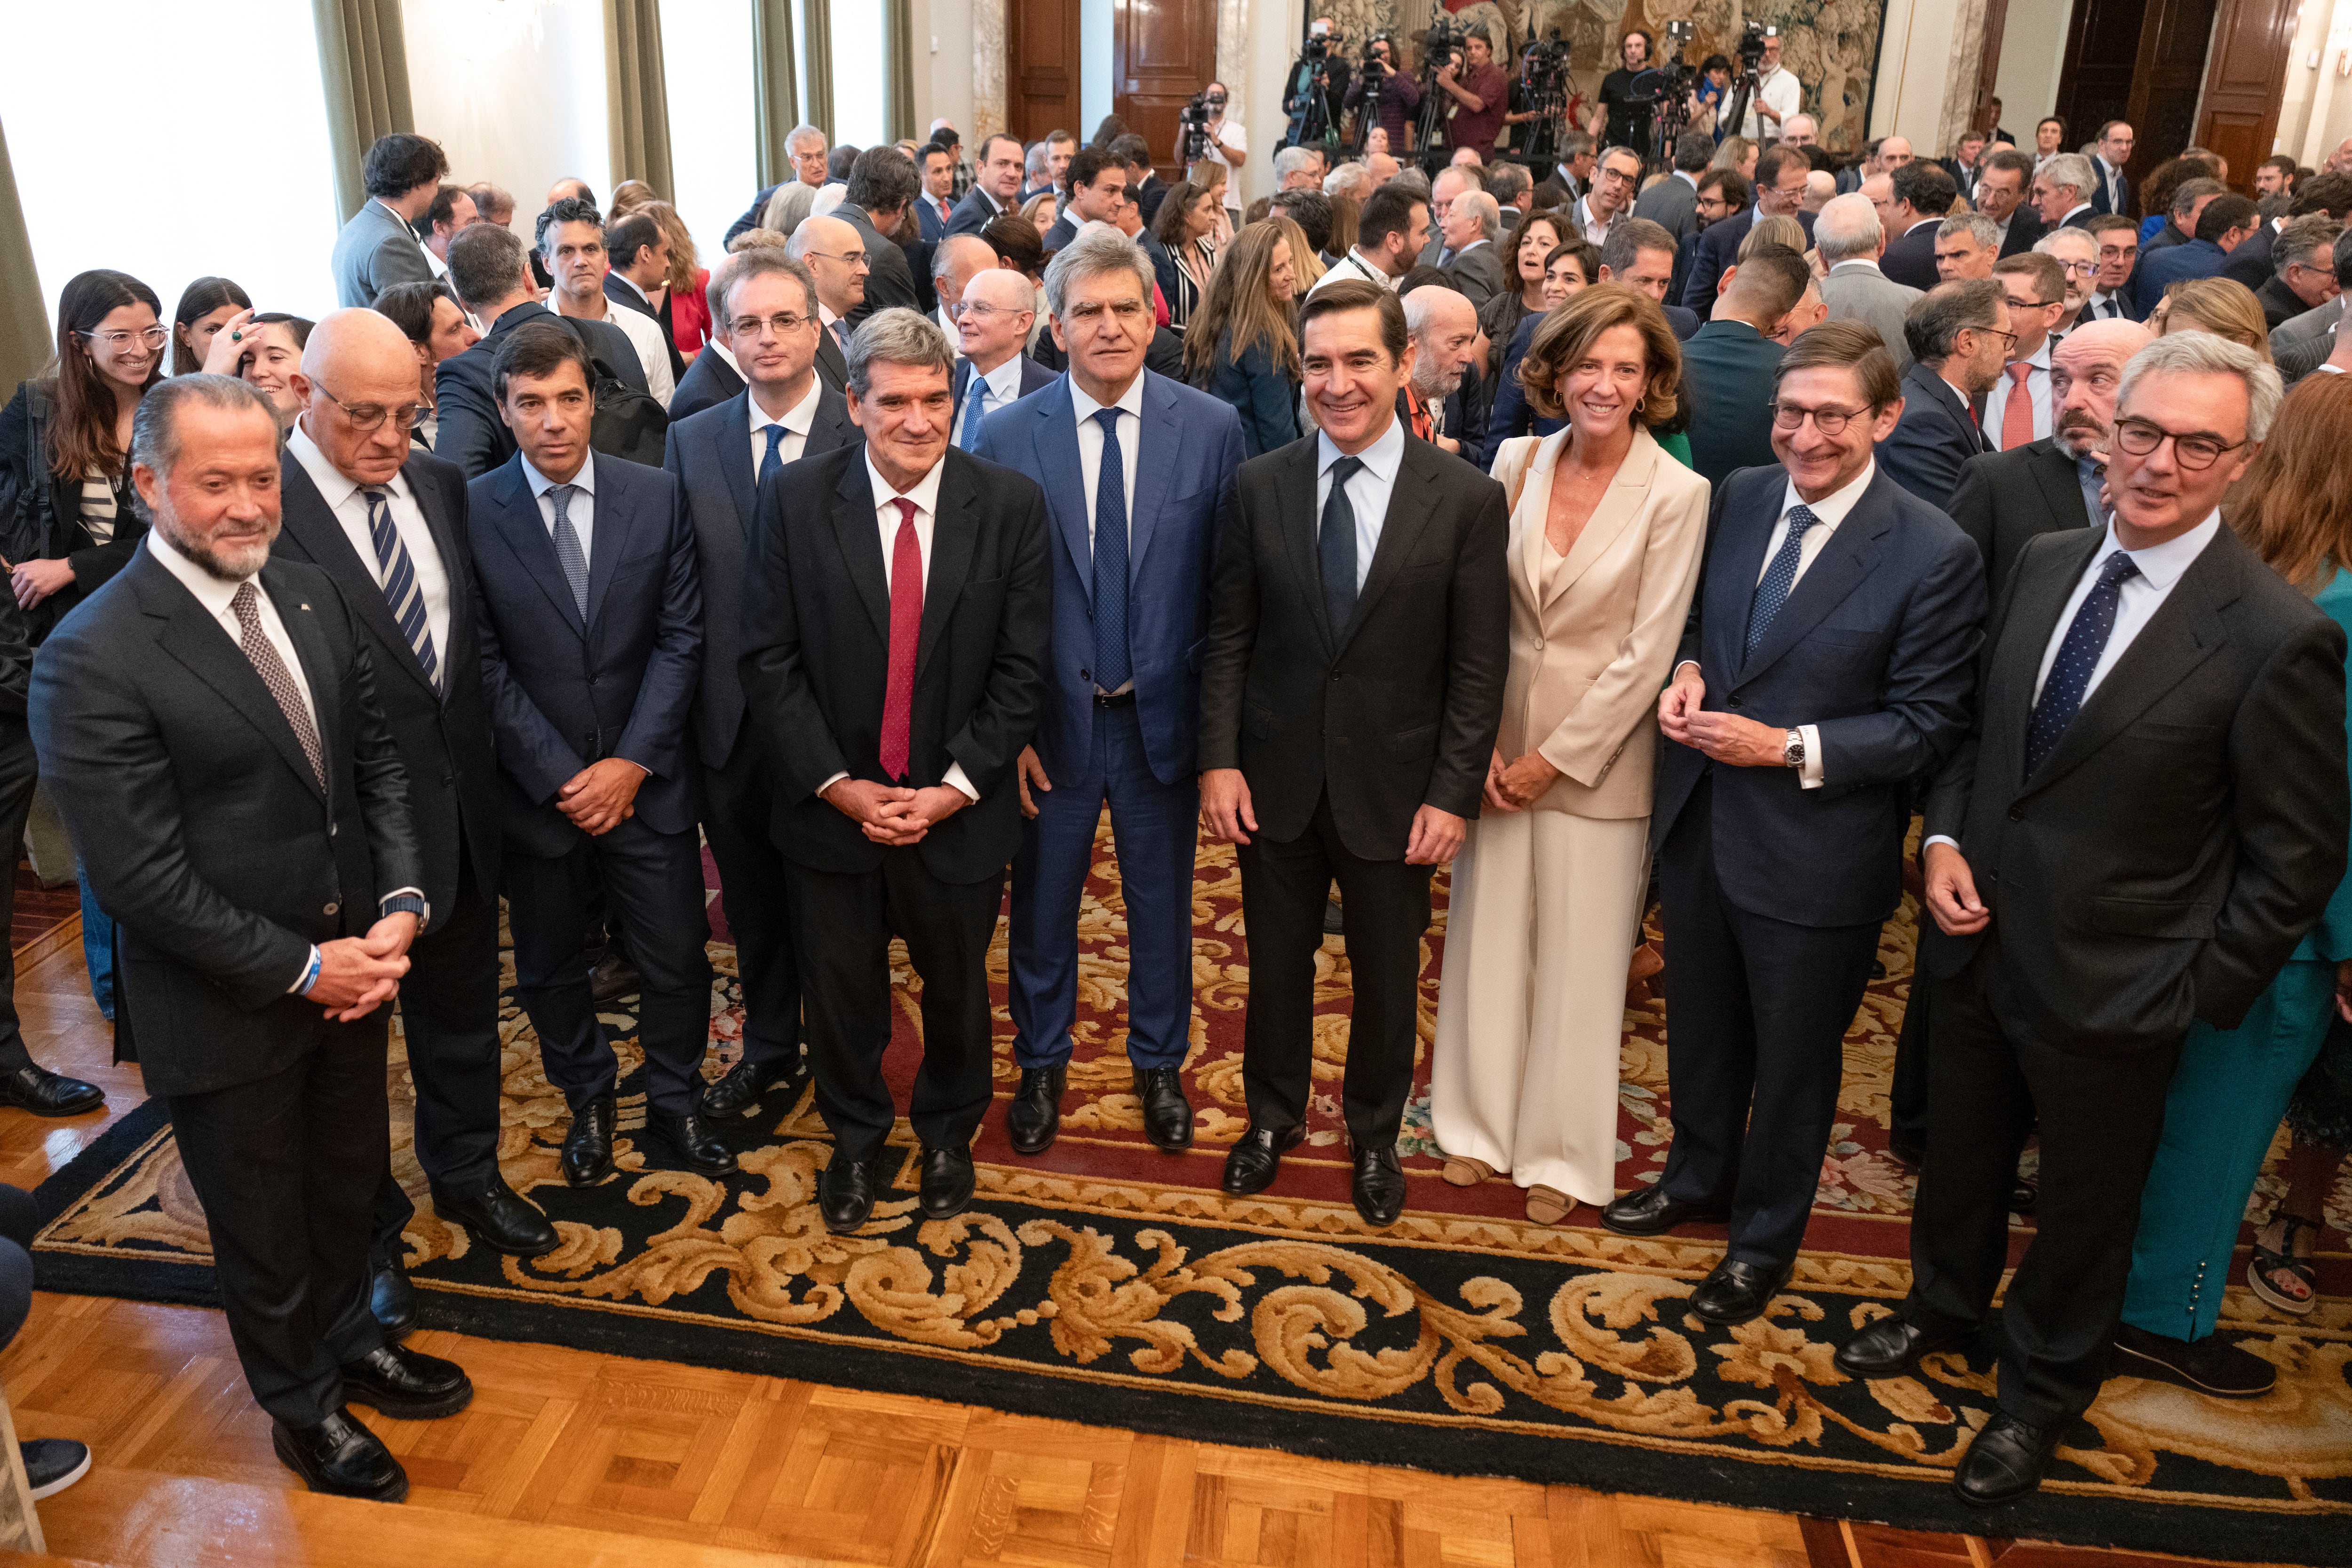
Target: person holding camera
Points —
{"points": [[1622, 118], [1224, 140], [1481, 95], [1776, 95], [1390, 96]]}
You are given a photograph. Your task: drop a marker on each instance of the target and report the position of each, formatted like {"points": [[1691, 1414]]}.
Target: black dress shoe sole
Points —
{"points": [[589, 1178], [930, 1210], [1905, 1367], [392, 1490], [841, 1228], [662, 1154], [408, 1407], [2130, 1363], [1979, 1498], [1373, 1217], [1296, 1136], [1732, 1320]]}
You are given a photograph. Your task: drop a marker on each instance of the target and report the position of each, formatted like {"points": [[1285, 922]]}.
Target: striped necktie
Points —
{"points": [[397, 575]]}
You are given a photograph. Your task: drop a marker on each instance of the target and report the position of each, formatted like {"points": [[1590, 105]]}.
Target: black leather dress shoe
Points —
{"points": [[407, 1385], [1034, 1117], [2006, 1460], [945, 1190], [1648, 1211], [845, 1194], [1892, 1347], [1167, 1114], [1252, 1163], [342, 1458], [46, 1093], [684, 1143], [1735, 1292], [499, 1219], [1377, 1185], [391, 1299], [746, 1083], [2211, 1366], [588, 1147], [613, 978]]}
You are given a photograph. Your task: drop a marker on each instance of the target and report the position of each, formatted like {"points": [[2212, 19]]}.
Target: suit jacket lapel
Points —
{"points": [[1731, 583], [834, 368], [1058, 453], [204, 645], [1298, 518], [955, 535], [1848, 556], [518, 522], [860, 543], [1619, 503], [615, 524], [1158, 438], [1410, 506], [312, 524], [309, 640], [2054, 476], [739, 455]]}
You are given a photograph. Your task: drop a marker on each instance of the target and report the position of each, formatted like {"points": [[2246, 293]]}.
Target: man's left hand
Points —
{"points": [[390, 936], [601, 796], [1436, 837], [906, 822], [1739, 742]]}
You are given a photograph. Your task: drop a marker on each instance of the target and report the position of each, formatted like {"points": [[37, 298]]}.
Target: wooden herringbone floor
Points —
{"points": [[592, 1460]]}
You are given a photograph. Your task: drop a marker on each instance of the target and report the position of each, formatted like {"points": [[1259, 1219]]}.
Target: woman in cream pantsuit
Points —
{"points": [[1606, 535]]}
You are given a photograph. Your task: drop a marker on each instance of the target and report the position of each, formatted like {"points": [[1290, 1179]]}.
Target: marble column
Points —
{"points": [[988, 58]]}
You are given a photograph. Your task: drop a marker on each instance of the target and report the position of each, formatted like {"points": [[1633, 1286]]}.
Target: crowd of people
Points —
{"points": [[1620, 536]]}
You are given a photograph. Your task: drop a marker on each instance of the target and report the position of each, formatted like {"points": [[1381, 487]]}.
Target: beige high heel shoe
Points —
{"points": [[1461, 1170], [1547, 1206]]}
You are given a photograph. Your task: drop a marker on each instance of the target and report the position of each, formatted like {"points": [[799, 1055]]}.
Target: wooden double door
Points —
{"points": [[1163, 52]]}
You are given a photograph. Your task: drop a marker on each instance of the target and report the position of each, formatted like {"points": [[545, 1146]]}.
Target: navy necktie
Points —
{"points": [[1337, 547], [1112, 664], [1780, 578], [2078, 655], [774, 460], [400, 589]]}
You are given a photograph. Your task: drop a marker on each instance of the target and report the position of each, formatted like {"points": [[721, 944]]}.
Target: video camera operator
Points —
{"points": [[1777, 94], [1205, 130], [1394, 96], [1622, 119], [1317, 79], [1481, 94]]}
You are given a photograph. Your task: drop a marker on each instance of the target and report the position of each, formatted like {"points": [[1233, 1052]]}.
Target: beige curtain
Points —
{"points": [[363, 62], [818, 51], [636, 103], [898, 65], [25, 340], [779, 106]]}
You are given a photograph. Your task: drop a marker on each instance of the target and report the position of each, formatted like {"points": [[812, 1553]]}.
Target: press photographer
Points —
{"points": [[1770, 89], [1480, 92], [1384, 95], [1317, 81]]}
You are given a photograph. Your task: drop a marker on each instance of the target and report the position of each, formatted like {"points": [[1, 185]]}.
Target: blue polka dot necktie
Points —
{"points": [[1113, 666], [1780, 578], [2078, 655]]}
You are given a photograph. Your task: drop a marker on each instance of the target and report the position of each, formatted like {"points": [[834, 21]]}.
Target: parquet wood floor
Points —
{"points": [[597, 1461]]}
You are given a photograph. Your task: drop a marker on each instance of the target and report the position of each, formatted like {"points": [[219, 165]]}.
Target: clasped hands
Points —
{"points": [[358, 975], [601, 796], [1228, 817], [891, 813], [1726, 737]]}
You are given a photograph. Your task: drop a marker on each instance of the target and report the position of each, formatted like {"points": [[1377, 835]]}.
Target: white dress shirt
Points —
{"points": [[1354, 266], [797, 421], [2108, 175], [1001, 389], [2136, 602], [1780, 89], [2037, 389], [645, 335], [2078, 208], [1581, 216], [582, 510], [926, 496], [341, 494], [1368, 488], [711, 345], [2104, 307]]}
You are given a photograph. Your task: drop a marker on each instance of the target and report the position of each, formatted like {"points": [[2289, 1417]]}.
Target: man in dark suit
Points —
{"points": [[489, 273], [804, 149], [592, 642], [935, 204], [379, 246], [995, 186], [836, 255], [1826, 665], [1136, 470], [1729, 364], [1359, 611], [879, 203], [1958, 337], [1923, 194], [2000, 195], [387, 521], [1780, 174], [1673, 202], [2111, 188], [896, 610], [639, 255], [722, 458], [1145, 189], [1097, 187], [1571, 177], [2223, 226], [2303, 257], [1641, 254], [207, 724], [2149, 813], [991, 373]]}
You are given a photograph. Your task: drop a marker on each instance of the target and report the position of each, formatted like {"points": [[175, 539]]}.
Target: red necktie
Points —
{"points": [[906, 632], [2016, 413]]}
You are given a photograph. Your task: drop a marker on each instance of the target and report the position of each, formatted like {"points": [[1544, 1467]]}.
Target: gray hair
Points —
{"points": [[2193, 352], [2070, 169], [897, 336], [1348, 180], [1932, 327], [1423, 304], [943, 255], [760, 261], [1290, 160], [1039, 158], [1976, 226], [1093, 253], [486, 263], [2304, 241], [1847, 226], [800, 133], [155, 428], [787, 207], [1413, 180], [1490, 217]]}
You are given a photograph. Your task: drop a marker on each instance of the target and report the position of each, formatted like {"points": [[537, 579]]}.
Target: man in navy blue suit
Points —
{"points": [[722, 458], [2223, 226], [1959, 337], [1826, 665], [991, 371], [1137, 472], [1781, 175], [592, 639]]}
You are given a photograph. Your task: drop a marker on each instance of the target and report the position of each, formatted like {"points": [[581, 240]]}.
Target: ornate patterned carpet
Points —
{"points": [[1107, 1283]]}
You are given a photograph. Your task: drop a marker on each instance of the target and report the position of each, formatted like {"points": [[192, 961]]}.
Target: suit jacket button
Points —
{"points": [[1737, 701], [331, 908], [2017, 814], [331, 830]]}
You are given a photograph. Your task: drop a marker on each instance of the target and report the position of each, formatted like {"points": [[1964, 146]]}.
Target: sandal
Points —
{"points": [[2266, 1262], [1548, 1206], [1461, 1170]]}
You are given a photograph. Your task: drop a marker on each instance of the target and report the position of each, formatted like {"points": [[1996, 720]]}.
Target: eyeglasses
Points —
{"points": [[2079, 268], [783, 325], [958, 311], [2029, 304], [149, 338], [2141, 437], [1828, 421], [855, 259], [1128, 311], [2108, 252], [367, 416], [2007, 339]]}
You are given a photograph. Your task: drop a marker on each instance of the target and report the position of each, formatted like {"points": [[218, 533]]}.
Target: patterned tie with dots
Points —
{"points": [[274, 675], [2078, 655], [1780, 578]]}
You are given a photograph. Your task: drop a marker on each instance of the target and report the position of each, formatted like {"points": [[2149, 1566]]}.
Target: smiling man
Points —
{"points": [[2148, 812], [1394, 645]]}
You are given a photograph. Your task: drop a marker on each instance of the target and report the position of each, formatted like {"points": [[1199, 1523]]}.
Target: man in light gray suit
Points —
{"points": [[1673, 202], [1850, 238], [379, 246]]}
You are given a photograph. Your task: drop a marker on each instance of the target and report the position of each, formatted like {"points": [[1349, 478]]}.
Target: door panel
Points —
{"points": [[1163, 52], [1042, 74]]}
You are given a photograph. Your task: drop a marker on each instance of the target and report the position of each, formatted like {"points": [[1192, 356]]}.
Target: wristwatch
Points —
{"points": [[413, 902], [1792, 755]]}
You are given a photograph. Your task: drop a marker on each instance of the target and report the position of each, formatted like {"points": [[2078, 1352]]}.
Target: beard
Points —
{"points": [[231, 559], [2078, 432]]}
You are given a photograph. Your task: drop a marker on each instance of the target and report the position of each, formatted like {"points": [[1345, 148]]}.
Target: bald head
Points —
{"points": [[820, 243], [958, 259], [2085, 372], [1847, 229], [569, 187], [358, 369], [999, 309], [1444, 326], [1000, 287]]}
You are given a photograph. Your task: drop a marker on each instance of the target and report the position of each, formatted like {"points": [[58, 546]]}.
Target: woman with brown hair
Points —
{"points": [[438, 329], [2155, 191], [2291, 1055], [1187, 220], [205, 306], [1240, 348], [688, 279], [1537, 236], [2221, 306], [1307, 267], [1605, 539]]}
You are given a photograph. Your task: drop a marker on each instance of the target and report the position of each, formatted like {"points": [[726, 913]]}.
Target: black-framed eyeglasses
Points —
{"points": [[1828, 421], [367, 416], [784, 324], [2007, 339], [2029, 304], [2193, 450]]}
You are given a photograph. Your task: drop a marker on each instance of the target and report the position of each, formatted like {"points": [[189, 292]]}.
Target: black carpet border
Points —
{"points": [[1607, 1465]]}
